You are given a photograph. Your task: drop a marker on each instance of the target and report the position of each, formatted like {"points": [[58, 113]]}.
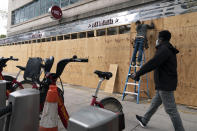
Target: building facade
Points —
{"points": [[110, 24], [29, 19]]}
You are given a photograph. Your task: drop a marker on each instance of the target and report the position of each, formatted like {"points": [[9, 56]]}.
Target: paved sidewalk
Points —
{"points": [[77, 97]]}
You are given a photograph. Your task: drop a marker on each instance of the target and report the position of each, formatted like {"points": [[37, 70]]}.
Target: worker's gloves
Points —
{"points": [[134, 77]]}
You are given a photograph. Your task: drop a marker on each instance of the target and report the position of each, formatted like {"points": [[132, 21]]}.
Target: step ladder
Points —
{"points": [[136, 84]]}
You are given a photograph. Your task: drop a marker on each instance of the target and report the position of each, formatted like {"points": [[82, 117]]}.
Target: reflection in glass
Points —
{"points": [[112, 31], [37, 8], [124, 29]]}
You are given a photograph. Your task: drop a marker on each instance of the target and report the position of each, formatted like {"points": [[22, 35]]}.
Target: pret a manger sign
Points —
{"points": [[55, 12]]}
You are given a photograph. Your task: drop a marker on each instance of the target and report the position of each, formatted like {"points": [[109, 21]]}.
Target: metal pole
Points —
{"points": [[2, 99]]}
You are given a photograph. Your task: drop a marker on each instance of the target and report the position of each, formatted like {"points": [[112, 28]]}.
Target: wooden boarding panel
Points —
{"points": [[109, 87], [179, 21], [117, 49]]}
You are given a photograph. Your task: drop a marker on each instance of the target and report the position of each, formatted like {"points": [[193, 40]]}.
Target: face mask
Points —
{"points": [[157, 42]]}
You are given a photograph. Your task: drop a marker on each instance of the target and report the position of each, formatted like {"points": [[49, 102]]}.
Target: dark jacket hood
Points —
{"points": [[169, 45]]}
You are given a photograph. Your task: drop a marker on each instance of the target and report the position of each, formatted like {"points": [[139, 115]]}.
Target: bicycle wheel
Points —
{"points": [[115, 106], [111, 104]]}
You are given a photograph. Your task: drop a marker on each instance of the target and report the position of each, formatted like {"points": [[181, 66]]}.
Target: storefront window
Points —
{"points": [[65, 3], [74, 36], [124, 29], [101, 32], [82, 35], [37, 8], [112, 31], [90, 34]]}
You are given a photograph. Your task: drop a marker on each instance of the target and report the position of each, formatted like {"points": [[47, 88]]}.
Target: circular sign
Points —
{"points": [[56, 12]]}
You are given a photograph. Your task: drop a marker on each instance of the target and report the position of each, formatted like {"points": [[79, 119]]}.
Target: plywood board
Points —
{"points": [[109, 87], [117, 49]]}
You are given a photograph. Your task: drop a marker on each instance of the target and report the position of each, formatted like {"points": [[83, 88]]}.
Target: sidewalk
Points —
{"points": [[77, 97]]}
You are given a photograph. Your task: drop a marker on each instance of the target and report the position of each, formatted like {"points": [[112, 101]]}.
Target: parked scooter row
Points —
{"points": [[32, 73]]}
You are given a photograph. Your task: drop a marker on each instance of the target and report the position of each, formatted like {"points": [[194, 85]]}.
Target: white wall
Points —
{"points": [[3, 21]]}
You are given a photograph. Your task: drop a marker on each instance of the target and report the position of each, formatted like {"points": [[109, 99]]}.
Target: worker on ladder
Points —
{"points": [[140, 41], [164, 64], [139, 44]]}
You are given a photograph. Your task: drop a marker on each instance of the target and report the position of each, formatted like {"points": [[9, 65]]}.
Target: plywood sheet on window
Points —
{"points": [[117, 49]]}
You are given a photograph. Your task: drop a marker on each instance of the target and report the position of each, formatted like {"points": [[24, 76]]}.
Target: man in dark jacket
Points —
{"points": [[164, 64]]}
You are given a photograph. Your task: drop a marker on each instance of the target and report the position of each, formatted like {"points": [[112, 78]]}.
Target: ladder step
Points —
{"points": [[132, 93], [135, 92], [134, 66], [129, 83]]}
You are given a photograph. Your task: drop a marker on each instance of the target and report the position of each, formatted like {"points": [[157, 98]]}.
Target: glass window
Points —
{"points": [[60, 37], [48, 39], [42, 7], [17, 13], [49, 4], [38, 40], [43, 40], [73, 1], [53, 38], [31, 12], [64, 3], [74, 36], [56, 2], [13, 18], [26, 12], [37, 8], [90, 34], [66, 37], [22, 14], [124, 29], [112, 31], [82, 35], [100, 32]]}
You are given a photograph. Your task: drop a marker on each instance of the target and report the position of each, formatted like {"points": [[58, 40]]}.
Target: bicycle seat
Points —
{"points": [[104, 75], [21, 68]]}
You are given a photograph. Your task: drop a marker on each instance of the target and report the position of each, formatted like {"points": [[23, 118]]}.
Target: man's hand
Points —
{"points": [[134, 77]]}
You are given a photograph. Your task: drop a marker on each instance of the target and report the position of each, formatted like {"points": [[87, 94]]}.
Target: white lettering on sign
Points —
{"points": [[56, 12]]}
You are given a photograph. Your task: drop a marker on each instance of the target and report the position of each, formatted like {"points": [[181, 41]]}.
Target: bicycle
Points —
{"points": [[31, 79], [10, 87], [109, 103]]}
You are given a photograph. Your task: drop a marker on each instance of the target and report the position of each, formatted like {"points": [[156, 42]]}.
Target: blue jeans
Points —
{"points": [[139, 45]]}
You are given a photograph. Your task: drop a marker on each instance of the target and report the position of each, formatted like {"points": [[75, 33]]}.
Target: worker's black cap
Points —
{"points": [[138, 22]]}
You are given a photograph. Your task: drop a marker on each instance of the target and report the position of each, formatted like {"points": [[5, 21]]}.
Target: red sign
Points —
{"points": [[56, 12]]}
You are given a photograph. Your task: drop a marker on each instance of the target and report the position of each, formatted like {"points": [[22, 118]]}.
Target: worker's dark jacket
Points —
{"points": [[165, 65]]}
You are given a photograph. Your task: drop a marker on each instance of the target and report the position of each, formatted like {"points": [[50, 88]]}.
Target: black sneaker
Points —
{"points": [[139, 119]]}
